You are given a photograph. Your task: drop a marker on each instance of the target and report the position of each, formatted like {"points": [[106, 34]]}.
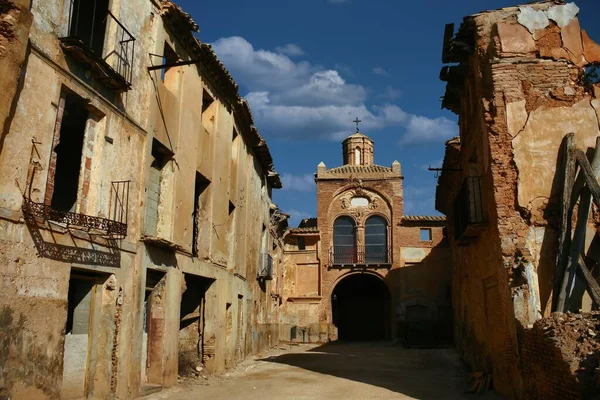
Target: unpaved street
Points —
{"points": [[337, 371]]}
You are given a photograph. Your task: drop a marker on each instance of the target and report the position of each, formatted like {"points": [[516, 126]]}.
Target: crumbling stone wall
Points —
{"points": [[518, 91], [15, 22]]}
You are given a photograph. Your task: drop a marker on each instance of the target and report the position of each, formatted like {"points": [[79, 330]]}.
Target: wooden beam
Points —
{"points": [[592, 286], [578, 242], [590, 177], [564, 238]]}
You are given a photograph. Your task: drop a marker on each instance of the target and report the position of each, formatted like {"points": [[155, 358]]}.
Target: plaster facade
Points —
{"points": [[140, 254], [518, 91], [414, 271]]}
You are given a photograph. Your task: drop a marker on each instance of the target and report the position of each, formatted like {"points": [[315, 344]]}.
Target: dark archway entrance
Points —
{"points": [[361, 308]]}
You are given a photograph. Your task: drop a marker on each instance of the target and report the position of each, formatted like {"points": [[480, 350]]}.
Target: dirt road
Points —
{"points": [[337, 371]]}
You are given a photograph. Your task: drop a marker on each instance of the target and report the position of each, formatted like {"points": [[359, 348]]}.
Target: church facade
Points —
{"points": [[362, 270]]}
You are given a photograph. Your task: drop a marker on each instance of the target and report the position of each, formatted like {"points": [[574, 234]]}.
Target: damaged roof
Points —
{"points": [[421, 219], [346, 169], [182, 24]]}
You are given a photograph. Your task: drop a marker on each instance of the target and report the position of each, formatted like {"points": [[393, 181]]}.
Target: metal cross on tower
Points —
{"points": [[357, 121]]}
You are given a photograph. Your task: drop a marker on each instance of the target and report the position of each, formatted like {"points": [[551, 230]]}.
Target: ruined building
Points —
{"points": [[508, 188], [138, 239], [362, 270]]}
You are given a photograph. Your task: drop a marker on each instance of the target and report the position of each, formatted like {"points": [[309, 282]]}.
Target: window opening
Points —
{"points": [[207, 101], [68, 154], [425, 234], [376, 240], [301, 243], [169, 57], [344, 241], [357, 156], [200, 187], [160, 156], [88, 23]]}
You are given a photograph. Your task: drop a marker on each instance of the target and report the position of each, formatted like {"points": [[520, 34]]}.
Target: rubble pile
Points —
{"points": [[578, 338]]}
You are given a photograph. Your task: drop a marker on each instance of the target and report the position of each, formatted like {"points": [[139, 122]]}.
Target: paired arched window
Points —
{"points": [[376, 242], [344, 241]]}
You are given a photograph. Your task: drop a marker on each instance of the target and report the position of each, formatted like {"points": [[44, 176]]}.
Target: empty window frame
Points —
{"points": [[88, 23], [425, 234], [200, 187], [67, 154], [160, 156]]}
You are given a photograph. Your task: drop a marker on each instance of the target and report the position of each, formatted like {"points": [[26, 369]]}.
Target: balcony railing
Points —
{"points": [[110, 58], [360, 255], [468, 210], [265, 267]]}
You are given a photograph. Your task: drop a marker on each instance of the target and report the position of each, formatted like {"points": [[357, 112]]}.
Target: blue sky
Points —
{"points": [[308, 68]]}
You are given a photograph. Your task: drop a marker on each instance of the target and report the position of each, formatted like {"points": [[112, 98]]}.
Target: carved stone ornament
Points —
{"points": [[359, 211]]}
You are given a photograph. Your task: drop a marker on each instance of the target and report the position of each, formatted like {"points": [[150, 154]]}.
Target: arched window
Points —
{"points": [[357, 156], [344, 241], [376, 250]]}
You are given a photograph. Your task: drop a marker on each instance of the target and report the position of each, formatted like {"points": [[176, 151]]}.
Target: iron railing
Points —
{"points": [[364, 255], [90, 22], [468, 208], [115, 227], [119, 201], [265, 267]]}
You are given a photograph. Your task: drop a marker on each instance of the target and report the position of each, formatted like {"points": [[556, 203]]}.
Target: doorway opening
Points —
{"points": [[154, 329], [192, 324], [361, 308]]}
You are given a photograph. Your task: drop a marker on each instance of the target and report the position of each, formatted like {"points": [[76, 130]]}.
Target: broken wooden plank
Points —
{"points": [[588, 173], [592, 285], [564, 239], [578, 241]]}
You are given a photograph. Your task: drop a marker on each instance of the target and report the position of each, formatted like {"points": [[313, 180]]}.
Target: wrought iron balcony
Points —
{"points": [[110, 59], [113, 228], [265, 267], [374, 256], [469, 218]]}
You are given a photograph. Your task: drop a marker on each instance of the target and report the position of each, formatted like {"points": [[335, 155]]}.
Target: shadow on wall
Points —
{"points": [[419, 374], [423, 314]]}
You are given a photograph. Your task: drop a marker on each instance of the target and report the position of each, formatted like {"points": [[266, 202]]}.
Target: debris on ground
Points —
{"points": [[578, 338]]}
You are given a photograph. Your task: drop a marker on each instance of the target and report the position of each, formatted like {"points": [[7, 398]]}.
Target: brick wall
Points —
{"points": [[546, 375]]}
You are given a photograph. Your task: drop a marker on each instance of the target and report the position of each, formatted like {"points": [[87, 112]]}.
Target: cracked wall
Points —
{"points": [[518, 90]]}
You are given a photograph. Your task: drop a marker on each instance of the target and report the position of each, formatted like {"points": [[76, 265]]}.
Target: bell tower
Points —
{"points": [[358, 148]]}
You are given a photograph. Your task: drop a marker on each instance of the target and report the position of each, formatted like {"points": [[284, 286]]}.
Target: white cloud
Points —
{"points": [[298, 183], [297, 99], [426, 130], [389, 93], [380, 71], [420, 200], [291, 49]]}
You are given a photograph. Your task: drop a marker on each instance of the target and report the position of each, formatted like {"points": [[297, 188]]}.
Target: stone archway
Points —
{"points": [[361, 308]]}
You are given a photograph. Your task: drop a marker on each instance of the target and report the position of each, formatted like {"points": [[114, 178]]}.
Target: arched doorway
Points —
{"points": [[361, 308]]}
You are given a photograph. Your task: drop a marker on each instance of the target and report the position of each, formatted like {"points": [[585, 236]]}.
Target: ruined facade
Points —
{"points": [[138, 239], [362, 270], [517, 85]]}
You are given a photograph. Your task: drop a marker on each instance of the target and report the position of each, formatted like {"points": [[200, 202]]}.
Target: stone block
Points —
{"points": [[515, 39], [571, 37], [591, 49]]}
